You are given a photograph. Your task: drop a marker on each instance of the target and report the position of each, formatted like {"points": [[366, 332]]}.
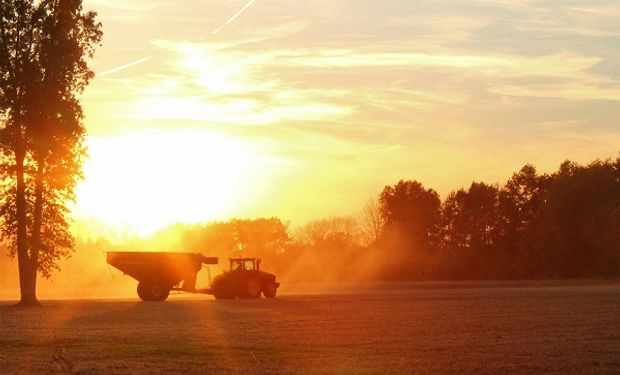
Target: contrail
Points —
{"points": [[125, 66], [145, 59], [240, 12]]}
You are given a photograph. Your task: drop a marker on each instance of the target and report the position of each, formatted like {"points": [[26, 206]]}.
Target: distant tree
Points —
{"points": [[260, 237], [338, 232], [216, 238], [43, 50], [471, 216], [371, 222], [520, 201], [325, 249], [411, 210], [577, 230], [522, 197], [470, 225]]}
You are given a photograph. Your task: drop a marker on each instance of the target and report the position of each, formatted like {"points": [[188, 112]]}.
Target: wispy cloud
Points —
{"points": [[563, 63], [203, 82], [134, 5], [574, 91]]}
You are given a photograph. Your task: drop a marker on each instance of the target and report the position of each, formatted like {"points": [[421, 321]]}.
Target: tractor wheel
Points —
{"points": [[252, 288], [222, 290], [223, 294], [152, 291], [270, 290]]}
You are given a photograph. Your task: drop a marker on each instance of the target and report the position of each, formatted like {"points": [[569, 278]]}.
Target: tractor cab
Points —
{"points": [[244, 264]]}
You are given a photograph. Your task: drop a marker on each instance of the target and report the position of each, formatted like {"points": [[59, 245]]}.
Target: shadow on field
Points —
{"points": [[228, 335]]}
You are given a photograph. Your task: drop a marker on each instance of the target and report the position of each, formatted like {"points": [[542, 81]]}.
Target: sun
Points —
{"points": [[145, 180]]}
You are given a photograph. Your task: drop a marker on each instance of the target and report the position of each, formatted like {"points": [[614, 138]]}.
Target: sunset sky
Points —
{"points": [[206, 110]]}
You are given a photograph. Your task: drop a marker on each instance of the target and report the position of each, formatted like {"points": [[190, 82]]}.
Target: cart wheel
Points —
{"points": [[270, 290], [159, 292], [152, 291]]}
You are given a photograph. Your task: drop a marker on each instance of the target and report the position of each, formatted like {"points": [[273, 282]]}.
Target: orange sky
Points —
{"points": [[306, 109]]}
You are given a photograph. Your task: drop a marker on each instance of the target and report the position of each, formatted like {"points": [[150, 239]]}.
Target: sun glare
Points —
{"points": [[143, 181]]}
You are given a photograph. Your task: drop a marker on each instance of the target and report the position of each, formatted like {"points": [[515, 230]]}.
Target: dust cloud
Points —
{"points": [[324, 255]]}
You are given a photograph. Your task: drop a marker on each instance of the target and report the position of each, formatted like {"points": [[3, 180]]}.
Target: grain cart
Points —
{"points": [[159, 273]]}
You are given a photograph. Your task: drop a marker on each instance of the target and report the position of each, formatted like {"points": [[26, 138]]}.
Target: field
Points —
{"points": [[454, 328]]}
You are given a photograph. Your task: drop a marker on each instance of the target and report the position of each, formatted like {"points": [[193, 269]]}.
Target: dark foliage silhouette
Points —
{"points": [[43, 50]]}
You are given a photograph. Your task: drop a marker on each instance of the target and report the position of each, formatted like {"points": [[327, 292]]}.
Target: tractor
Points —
{"points": [[244, 279]]}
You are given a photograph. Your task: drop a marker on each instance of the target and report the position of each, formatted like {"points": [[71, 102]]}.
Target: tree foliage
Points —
{"points": [[410, 209], [470, 217], [333, 231], [371, 223], [44, 47], [262, 237], [563, 225]]}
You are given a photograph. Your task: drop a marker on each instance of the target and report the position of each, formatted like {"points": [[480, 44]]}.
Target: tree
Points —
{"points": [[411, 215], [578, 227], [332, 232], [411, 210], [43, 51], [370, 222], [259, 237], [472, 216], [522, 197], [520, 201], [469, 225]]}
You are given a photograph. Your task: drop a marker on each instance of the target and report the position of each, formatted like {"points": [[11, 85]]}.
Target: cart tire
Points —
{"points": [[152, 291], [270, 290]]}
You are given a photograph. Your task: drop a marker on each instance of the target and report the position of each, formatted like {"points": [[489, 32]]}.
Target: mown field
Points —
{"points": [[535, 329]]}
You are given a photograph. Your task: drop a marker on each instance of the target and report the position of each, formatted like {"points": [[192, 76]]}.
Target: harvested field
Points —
{"points": [[535, 329]]}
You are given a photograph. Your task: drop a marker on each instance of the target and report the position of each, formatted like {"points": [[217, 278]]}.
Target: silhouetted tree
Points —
{"points": [[326, 249], [411, 210], [522, 197], [331, 232], [371, 223], [520, 201], [577, 231], [470, 221], [43, 50], [411, 215], [261, 237]]}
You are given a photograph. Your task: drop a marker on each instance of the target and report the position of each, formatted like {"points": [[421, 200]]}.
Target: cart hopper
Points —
{"points": [[158, 272]]}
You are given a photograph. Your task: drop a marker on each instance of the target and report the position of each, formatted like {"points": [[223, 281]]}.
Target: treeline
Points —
{"points": [[560, 225]]}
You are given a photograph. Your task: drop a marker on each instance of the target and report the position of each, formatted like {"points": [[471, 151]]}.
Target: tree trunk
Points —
{"points": [[37, 222], [28, 284], [27, 269]]}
